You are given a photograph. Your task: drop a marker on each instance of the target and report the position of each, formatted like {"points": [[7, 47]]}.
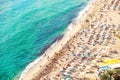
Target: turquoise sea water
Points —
{"points": [[27, 27]]}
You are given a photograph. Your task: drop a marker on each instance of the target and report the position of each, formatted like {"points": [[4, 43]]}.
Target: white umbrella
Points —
{"points": [[94, 61], [98, 56], [82, 64], [82, 73], [88, 67], [66, 74]]}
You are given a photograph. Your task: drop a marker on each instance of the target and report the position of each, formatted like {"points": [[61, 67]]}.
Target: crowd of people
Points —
{"points": [[111, 5], [79, 59]]}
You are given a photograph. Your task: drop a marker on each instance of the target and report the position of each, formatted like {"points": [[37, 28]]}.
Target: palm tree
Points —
{"points": [[117, 74], [110, 73], [104, 77], [117, 71]]}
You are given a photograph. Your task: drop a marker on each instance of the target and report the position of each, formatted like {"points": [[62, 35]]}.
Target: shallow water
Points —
{"points": [[28, 26]]}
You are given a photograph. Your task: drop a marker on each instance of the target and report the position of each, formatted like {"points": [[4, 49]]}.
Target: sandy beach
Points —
{"points": [[91, 38]]}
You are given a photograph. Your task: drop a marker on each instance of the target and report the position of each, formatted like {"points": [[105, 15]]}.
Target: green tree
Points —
{"points": [[116, 75], [104, 77], [110, 73]]}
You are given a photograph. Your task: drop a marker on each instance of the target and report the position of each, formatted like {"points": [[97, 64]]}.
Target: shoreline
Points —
{"points": [[69, 33]]}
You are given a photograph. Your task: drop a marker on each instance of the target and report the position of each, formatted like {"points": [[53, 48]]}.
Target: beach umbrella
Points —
{"points": [[68, 78], [74, 54], [71, 68], [98, 56], [82, 64], [59, 53], [94, 61], [82, 55], [82, 73], [61, 70], [66, 74], [88, 54], [88, 67]]}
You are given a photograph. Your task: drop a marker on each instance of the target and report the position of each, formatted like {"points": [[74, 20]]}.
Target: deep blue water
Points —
{"points": [[27, 27]]}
